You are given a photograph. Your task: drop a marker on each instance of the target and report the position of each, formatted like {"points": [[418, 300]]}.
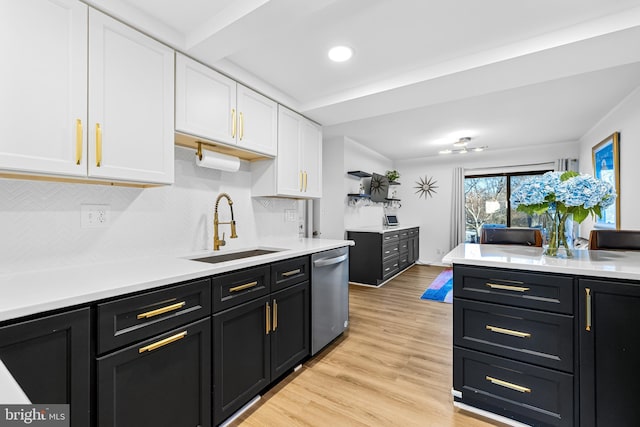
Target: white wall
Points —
{"points": [[433, 214], [624, 118], [40, 221]]}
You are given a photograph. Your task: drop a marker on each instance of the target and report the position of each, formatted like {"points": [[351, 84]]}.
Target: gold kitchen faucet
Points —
{"points": [[216, 237]]}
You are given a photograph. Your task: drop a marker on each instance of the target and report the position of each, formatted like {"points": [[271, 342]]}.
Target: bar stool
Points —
{"points": [[511, 236], [628, 240]]}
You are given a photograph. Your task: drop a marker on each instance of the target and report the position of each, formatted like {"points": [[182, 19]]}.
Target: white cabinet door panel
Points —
{"points": [[43, 86], [205, 102], [257, 122], [131, 81], [289, 174], [312, 158]]}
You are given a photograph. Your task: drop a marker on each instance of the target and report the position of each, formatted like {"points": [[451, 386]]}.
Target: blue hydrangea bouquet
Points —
{"points": [[563, 195]]}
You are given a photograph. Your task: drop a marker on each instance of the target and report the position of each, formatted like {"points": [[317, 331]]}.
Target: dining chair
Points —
{"points": [[511, 236], [614, 240]]}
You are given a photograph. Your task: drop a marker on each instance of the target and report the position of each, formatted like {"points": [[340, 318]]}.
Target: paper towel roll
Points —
{"points": [[223, 162]]}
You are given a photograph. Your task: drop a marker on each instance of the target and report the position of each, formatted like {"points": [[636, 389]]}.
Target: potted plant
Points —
{"points": [[392, 175]]}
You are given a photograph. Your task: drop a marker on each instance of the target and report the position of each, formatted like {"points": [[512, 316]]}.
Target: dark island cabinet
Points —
{"points": [[609, 352], [49, 359], [377, 257], [162, 381], [258, 341]]}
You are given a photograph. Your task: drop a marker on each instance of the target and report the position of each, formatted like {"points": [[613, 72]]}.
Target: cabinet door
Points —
{"points": [[257, 122], [241, 358], [131, 98], [311, 159], [290, 338], [289, 173], [163, 381], [48, 358], [44, 86], [609, 353], [205, 102]]}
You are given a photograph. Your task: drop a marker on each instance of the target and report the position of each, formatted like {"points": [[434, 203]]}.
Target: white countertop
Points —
{"points": [[611, 264], [36, 291], [380, 228]]}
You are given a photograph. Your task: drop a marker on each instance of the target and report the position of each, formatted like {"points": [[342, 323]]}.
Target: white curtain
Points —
{"points": [[563, 165], [457, 235]]}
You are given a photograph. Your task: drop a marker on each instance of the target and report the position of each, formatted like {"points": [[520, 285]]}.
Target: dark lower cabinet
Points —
{"points": [[290, 337], [161, 381], [609, 353], [257, 342], [241, 355], [49, 359]]}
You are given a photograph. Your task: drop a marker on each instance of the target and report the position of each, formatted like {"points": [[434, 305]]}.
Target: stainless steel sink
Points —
{"points": [[236, 255]]}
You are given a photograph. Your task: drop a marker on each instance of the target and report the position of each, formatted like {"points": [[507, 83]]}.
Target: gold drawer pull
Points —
{"points": [[291, 273], [268, 312], [588, 304], [275, 315], [98, 145], [507, 287], [243, 287], [512, 386], [78, 141], [508, 332], [162, 343], [233, 123], [162, 310]]}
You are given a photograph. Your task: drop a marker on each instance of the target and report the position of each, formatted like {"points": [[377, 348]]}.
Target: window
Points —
{"points": [[487, 203]]}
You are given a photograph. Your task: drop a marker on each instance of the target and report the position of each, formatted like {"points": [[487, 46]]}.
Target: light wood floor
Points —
{"points": [[391, 368]]}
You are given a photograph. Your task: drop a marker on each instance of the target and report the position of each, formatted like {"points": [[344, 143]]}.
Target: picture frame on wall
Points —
{"points": [[606, 166]]}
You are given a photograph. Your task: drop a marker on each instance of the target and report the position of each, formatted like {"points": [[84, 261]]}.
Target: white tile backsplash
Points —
{"points": [[40, 221]]}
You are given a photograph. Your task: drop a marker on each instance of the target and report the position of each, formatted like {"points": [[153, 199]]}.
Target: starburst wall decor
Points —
{"points": [[426, 187]]}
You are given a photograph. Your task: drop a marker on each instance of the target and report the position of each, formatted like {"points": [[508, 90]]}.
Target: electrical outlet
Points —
{"points": [[94, 216]]}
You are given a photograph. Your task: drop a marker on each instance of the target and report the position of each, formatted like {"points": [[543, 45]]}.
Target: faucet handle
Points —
{"points": [[222, 242]]}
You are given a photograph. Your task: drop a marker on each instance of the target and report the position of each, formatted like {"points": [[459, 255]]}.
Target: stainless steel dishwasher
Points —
{"points": [[329, 296]]}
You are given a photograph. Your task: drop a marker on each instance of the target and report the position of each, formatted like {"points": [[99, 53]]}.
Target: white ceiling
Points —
{"points": [[425, 72]]}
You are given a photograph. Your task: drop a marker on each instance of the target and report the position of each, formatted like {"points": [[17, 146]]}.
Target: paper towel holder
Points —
{"points": [[199, 152]]}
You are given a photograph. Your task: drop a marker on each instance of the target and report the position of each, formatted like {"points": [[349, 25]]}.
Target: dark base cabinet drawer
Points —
{"points": [[289, 272], [540, 291], [131, 319], [390, 267], [523, 392], [240, 286], [533, 336]]}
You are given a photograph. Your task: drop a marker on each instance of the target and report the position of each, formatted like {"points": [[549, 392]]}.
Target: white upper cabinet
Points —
{"points": [[131, 108], [43, 87], [56, 66], [297, 170], [212, 106]]}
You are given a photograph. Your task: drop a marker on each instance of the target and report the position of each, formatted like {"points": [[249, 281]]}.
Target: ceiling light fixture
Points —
{"points": [[340, 53], [461, 147], [462, 142]]}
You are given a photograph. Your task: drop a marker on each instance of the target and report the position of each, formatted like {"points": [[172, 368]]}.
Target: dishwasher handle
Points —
{"points": [[323, 262]]}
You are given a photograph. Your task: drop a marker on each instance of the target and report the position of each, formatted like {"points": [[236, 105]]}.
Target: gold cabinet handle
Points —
{"points": [[588, 306], [306, 181], [292, 272], [508, 332], [78, 141], [161, 310], [98, 145], [241, 126], [507, 287], [268, 312], [506, 384], [233, 123], [163, 342], [243, 287], [275, 315]]}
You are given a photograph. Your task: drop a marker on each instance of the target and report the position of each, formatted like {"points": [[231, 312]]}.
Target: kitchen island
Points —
{"points": [[546, 341]]}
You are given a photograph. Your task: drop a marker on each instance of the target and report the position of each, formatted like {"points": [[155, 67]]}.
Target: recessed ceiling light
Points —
{"points": [[340, 53]]}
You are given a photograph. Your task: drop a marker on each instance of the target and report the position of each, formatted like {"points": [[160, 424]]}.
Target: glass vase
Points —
{"points": [[559, 235]]}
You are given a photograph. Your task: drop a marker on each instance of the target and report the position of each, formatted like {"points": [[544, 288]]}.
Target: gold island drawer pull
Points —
{"points": [[162, 343], [506, 384], [268, 318], [588, 304], [292, 272], [243, 287], [508, 332], [507, 287], [162, 310]]}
